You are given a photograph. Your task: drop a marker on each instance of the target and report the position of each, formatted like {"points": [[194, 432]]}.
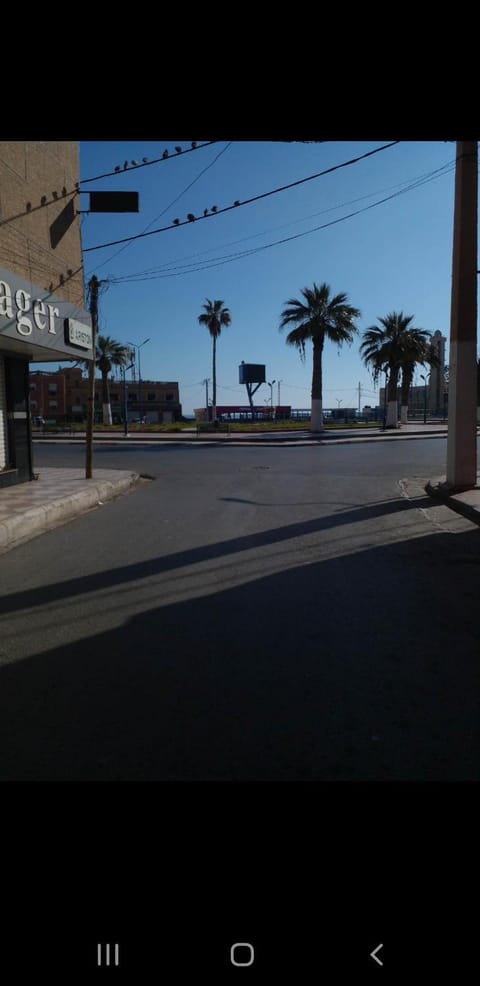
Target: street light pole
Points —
{"points": [[271, 395], [424, 378], [278, 391], [385, 370], [123, 370], [135, 346], [206, 382]]}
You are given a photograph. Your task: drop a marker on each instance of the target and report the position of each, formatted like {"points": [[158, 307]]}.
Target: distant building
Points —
{"points": [[62, 397]]}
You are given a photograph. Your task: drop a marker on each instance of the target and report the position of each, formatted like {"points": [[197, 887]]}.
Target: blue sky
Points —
{"points": [[394, 256]]}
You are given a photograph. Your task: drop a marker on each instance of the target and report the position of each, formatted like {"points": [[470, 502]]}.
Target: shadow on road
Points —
{"points": [[363, 668], [165, 563]]}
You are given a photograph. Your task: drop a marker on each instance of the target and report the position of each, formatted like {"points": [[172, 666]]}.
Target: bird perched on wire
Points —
{"points": [[205, 212], [237, 202], [214, 208], [125, 165], [145, 160], [194, 143], [64, 190], [117, 167], [178, 150], [191, 217], [55, 195], [135, 163], [165, 153], [176, 222]]}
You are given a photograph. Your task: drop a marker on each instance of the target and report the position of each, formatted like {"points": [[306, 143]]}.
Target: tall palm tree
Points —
{"points": [[394, 347], [215, 317], [318, 317], [108, 353]]}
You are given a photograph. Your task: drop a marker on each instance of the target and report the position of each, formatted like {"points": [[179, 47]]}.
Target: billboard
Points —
{"points": [[251, 372]]}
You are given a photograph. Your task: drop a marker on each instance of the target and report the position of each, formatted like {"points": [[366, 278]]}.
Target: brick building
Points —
{"points": [[62, 397], [42, 304]]}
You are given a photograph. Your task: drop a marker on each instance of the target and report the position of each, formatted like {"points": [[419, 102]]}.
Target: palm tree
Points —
{"points": [[394, 347], [418, 349], [215, 317], [108, 353], [318, 317]]}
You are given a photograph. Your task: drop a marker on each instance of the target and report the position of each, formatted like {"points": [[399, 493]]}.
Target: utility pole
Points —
{"points": [[206, 382], [462, 402], [359, 395], [93, 285]]}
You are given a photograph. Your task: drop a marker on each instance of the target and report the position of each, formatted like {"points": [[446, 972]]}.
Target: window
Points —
{"points": [[151, 397], [169, 397], [52, 389], [132, 397], [33, 405], [52, 405], [33, 386]]}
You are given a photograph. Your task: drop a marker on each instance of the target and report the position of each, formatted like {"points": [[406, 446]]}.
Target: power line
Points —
{"points": [[237, 204], [420, 178], [220, 261], [147, 164], [169, 206]]}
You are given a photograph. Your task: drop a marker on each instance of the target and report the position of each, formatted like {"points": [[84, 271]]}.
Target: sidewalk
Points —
{"points": [[59, 495]]}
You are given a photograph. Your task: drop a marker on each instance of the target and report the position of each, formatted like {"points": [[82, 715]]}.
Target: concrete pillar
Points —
{"points": [[462, 401]]}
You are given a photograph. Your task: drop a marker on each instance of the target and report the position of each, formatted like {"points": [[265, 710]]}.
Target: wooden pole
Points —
{"points": [[93, 287]]}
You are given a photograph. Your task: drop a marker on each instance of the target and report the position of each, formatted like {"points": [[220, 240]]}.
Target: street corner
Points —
{"points": [[57, 496], [463, 501]]}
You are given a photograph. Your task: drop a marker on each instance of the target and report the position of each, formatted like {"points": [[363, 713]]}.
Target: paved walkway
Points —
{"points": [[58, 495]]}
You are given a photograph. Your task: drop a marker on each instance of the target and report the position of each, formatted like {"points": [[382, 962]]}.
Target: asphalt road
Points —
{"points": [[254, 614]]}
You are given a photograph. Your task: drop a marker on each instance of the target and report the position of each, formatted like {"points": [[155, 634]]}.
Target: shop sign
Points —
{"points": [[36, 316]]}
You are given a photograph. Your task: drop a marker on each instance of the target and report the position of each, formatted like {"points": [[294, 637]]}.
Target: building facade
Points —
{"points": [[62, 397], [42, 304]]}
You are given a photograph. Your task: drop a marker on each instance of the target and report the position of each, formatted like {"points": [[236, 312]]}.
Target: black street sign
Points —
{"points": [[113, 202]]}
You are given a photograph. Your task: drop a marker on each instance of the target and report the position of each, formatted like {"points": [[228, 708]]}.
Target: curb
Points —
{"points": [[433, 488], [37, 520]]}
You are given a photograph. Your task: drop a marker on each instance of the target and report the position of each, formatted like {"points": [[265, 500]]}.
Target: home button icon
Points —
{"points": [[242, 954]]}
